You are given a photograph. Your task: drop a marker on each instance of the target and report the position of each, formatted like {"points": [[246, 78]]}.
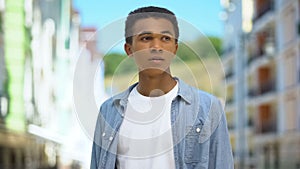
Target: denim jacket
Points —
{"points": [[199, 131]]}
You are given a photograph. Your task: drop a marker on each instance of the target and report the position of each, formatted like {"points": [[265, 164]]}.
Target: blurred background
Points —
{"points": [[254, 68]]}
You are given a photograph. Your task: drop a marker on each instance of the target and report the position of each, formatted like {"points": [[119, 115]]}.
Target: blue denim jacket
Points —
{"points": [[199, 131]]}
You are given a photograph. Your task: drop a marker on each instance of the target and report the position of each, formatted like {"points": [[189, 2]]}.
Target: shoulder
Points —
{"points": [[211, 112], [208, 102], [107, 103], [116, 102], [211, 108], [118, 99]]}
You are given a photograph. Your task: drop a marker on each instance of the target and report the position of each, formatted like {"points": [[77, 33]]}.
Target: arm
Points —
{"points": [[220, 155], [96, 149]]}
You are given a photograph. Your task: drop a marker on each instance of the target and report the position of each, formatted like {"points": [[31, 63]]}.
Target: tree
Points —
{"points": [[202, 47], [116, 63], [217, 43], [111, 62]]}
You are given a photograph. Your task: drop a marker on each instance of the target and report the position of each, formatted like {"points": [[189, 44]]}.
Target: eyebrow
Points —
{"points": [[148, 32], [167, 32]]}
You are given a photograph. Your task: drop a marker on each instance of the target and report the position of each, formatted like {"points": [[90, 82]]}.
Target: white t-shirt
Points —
{"points": [[145, 138]]}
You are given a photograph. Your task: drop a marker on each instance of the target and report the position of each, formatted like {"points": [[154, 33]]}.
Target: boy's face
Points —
{"points": [[153, 44]]}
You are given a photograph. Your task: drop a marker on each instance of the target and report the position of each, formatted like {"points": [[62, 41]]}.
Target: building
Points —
{"points": [[39, 47], [262, 63], [18, 148], [3, 73]]}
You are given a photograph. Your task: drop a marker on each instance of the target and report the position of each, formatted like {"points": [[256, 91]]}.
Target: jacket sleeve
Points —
{"points": [[96, 149], [220, 154]]}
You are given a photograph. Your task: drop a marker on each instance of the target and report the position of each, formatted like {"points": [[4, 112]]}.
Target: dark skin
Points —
{"points": [[155, 86], [153, 48]]}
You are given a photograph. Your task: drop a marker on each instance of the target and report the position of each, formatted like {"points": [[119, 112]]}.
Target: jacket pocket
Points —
{"points": [[194, 150]]}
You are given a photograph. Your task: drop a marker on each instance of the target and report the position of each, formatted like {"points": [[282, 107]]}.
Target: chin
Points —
{"points": [[153, 72]]}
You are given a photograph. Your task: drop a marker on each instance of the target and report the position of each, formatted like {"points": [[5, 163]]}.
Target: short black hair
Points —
{"points": [[148, 12]]}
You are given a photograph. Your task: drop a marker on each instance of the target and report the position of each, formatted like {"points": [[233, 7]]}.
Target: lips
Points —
{"points": [[156, 59]]}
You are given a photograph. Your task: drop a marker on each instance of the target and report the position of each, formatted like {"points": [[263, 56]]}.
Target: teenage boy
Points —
{"points": [[159, 122]]}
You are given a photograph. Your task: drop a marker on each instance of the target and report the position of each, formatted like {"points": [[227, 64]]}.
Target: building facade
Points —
{"points": [[262, 63], [39, 47]]}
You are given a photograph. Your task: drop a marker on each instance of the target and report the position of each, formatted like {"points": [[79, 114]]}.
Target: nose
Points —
{"points": [[156, 46]]}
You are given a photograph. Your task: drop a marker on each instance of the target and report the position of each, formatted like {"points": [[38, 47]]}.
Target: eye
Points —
{"points": [[166, 38], [146, 38]]}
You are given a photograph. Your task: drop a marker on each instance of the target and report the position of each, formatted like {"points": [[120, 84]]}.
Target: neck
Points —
{"points": [[154, 86]]}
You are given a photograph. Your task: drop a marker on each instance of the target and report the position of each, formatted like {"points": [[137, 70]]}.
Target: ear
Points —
{"points": [[176, 47], [127, 48], [175, 50]]}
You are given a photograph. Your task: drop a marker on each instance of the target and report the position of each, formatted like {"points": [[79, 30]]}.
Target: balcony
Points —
{"points": [[229, 74], [267, 123], [267, 87], [253, 92], [266, 49], [230, 126], [227, 50], [250, 122], [267, 127], [298, 28], [263, 88], [263, 6], [229, 100], [299, 76], [266, 119], [253, 58]]}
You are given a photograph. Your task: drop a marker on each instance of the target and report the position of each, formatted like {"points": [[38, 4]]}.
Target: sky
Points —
{"points": [[203, 15]]}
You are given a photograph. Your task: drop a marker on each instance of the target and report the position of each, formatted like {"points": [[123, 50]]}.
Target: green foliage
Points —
{"points": [[1, 23], [186, 53], [202, 47], [111, 61], [217, 43], [116, 63]]}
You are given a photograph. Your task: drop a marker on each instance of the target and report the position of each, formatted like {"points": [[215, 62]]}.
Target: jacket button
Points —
{"points": [[103, 134], [198, 130], [110, 138]]}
